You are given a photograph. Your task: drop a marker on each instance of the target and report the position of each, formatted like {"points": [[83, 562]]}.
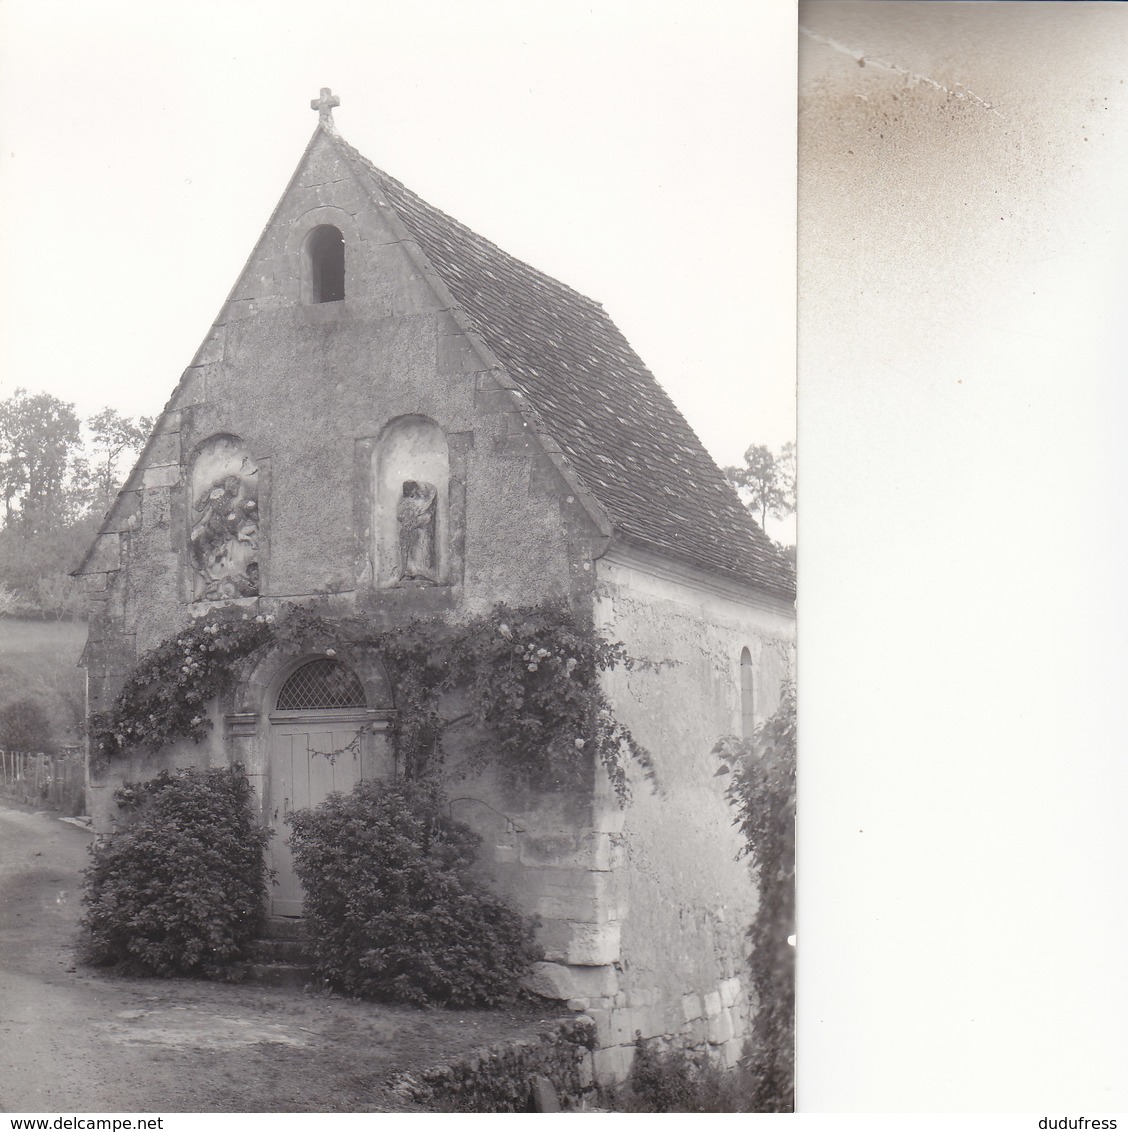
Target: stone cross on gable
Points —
{"points": [[324, 106]]}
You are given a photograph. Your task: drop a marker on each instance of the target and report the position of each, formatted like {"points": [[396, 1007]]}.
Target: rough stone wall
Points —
{"points": [[683, 902], [554, 855]]}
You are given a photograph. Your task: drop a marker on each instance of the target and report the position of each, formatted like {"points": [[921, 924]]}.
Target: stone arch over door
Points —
{"points": [[322, 727]]}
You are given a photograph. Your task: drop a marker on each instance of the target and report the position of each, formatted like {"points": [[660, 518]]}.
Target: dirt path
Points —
{"points": [[78, 1040]]}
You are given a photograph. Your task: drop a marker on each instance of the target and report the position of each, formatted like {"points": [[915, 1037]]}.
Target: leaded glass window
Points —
{"points": [[321, 684]]}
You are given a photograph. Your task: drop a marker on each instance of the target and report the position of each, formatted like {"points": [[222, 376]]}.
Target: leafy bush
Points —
{"points": [[179, 890], [763, 793], [391, 910], [675, 1080], [24, 727]]}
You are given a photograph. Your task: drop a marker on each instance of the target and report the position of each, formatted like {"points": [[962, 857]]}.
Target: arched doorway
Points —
{"points": [[324, 738]]}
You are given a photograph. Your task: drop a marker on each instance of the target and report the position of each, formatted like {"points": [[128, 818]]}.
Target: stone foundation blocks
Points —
{"points": [[649, 1021], [612, 1066], [594, 945], [730, 990], [647, 996], [556, 980], [692, 1007], [619, 1026], [713, 1005], [720, 1029]]}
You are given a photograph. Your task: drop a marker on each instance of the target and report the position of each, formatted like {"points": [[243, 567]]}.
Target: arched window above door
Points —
{"points": [[320, 685]]}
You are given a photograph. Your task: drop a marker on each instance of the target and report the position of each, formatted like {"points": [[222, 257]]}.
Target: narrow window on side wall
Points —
{"points": [[747, 702]]}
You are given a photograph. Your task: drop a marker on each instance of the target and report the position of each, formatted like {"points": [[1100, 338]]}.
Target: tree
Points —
{"points": [[38, 436], [112, 434], [24, 727], [766, 483], [788, 470], [53, 494]]}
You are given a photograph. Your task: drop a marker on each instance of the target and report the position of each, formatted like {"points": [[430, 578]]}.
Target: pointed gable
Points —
{"points": [[600, 404], [623, 439]]}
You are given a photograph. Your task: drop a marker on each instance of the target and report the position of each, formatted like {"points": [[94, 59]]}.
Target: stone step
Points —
{"points": [[283, 927], [278, 951]]}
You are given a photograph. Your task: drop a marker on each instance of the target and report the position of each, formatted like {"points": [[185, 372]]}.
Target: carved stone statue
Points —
{"points": [[415, 514], [224, 540]]}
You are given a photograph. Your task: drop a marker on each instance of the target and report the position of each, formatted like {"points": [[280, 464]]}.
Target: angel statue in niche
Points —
{"points": [[224, 541], [415, 514]]}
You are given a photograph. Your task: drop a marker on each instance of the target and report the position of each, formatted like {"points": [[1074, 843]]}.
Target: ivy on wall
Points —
{"points": [[529, 677], [762, 792]]}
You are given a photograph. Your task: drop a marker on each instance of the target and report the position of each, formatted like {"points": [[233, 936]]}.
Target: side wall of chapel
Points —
{"points": [[682, 899]]}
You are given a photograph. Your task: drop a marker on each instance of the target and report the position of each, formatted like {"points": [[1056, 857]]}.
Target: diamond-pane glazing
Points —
{"points": [[321, 684]]}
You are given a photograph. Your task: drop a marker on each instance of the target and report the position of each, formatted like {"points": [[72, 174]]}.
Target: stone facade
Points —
{"points": [[373, 453]]}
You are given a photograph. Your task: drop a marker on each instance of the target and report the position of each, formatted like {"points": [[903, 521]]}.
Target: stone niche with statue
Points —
{"points": [[411, 476], [223, 521]]}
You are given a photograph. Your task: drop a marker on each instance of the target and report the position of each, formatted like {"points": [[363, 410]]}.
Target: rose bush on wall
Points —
{"points": [[531, 675]]}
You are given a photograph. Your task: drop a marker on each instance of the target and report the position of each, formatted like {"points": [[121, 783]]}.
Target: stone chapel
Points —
{"points": [[392, 416]]}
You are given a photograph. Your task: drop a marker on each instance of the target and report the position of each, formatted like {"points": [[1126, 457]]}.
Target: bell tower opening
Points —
{"points": [[323, 265]]}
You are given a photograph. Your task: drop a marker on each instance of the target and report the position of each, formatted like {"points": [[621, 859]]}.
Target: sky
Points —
{"points": [[642, 161]]}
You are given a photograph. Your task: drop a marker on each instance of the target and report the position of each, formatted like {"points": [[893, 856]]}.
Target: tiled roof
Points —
{"points": [[632, 448]]}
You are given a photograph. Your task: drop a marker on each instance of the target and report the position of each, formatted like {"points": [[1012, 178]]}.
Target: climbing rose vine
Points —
{"points": [[530, 676], [166, 696]]}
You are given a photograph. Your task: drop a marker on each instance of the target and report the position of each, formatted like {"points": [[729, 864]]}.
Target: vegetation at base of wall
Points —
{"points": [[179, 889], [499, 1079], [676, 1080], [531, 675], [762, 791], [391, 910]]}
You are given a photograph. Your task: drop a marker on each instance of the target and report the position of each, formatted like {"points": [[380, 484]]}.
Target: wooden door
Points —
{"points": [[323, 739]]}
